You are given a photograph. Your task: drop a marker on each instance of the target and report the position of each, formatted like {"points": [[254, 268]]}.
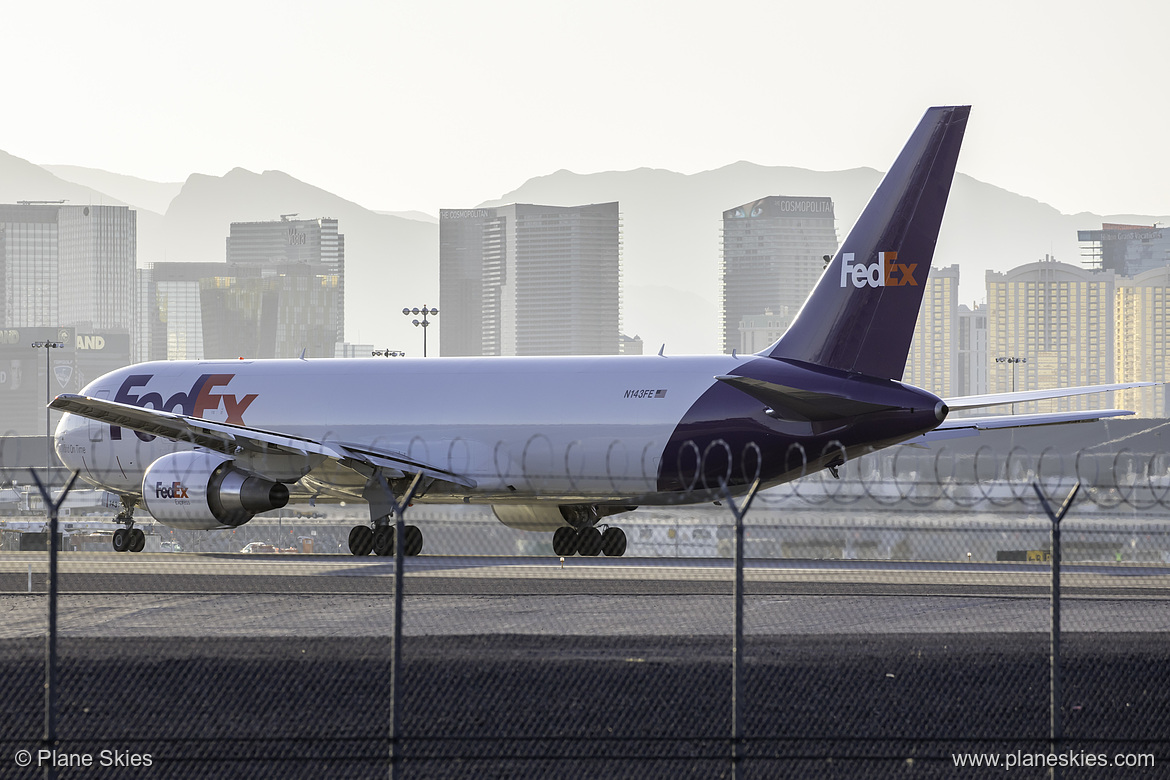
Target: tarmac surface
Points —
{"points": [[111, 594], [264, 666]]}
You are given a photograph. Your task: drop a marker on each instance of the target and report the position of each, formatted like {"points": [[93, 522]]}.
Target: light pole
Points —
{"points": [[47, 345], [424, 311], [1014, 361]]}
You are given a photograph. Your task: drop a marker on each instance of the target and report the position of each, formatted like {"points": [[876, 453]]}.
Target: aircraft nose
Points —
{"points": [[67, 440]]}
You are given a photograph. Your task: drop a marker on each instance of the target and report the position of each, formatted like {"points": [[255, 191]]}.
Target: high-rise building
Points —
{"points": [[757, 332], [971, 374], [1057, 317], [933, 360], [149, 337], [281, 243], [628, 345], [1126, 250], [280, 294], [527, 279], [461, 283], [1143, 341], [773, 255], [176, 322], [208, 311], [66, 265]]}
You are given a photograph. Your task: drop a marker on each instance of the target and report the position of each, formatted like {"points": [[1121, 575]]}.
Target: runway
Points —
{"points": [[159, 595], [110, 572]]}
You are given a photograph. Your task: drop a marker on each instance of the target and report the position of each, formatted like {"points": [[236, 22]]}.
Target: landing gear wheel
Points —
{"points": [[361, 540], [121, 540], [589, 542], [383, 540], [564, 541], [613, 542], [414, 540], [137, 540]]}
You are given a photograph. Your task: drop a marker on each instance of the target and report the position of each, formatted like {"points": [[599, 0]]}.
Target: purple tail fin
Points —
{"points": [[860, 317]]}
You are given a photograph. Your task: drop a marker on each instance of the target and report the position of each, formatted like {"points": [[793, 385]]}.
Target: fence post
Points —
{"points": [[737, 637], [396, 642], [54, 507], [1054, 724]]}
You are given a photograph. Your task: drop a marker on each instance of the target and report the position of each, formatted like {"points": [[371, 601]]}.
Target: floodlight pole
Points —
{"points": [[1014, 361], [47, 345], [424, 322]]}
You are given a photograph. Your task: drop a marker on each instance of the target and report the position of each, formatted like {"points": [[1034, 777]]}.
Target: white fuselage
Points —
{"points": [[590, 428]]}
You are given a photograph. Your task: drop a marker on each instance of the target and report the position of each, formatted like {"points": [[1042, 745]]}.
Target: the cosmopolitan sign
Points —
{"points": [[805, 206]]}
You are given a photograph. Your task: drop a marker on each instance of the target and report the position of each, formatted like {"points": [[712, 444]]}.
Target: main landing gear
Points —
{"points": [[129, 538], [380, 540], [590, 541]]}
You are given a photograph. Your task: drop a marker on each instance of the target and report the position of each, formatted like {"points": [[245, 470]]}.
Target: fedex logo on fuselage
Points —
{"points": [[195, 402], [884, 273]]}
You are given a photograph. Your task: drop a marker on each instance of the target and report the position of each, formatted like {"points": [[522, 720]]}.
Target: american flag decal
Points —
{"points": [[660, 394]]}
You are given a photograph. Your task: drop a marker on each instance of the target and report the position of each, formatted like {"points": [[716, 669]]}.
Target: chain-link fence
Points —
{"points": [[894, 621]]}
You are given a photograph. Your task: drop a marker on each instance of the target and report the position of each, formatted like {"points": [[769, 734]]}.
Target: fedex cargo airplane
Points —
{"points": [[553, 444]]}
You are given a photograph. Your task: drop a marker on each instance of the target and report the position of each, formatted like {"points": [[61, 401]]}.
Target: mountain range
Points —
{"points": [[671, 226]]}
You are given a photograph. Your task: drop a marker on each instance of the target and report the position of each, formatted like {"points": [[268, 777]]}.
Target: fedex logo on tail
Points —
{"points": [[196, 402], [884, 273]]}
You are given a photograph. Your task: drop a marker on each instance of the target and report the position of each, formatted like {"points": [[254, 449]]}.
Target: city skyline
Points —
{"points": [[1056, 317], [654, 90]]}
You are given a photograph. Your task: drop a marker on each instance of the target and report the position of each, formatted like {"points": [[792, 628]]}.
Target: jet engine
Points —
{"points": [[550, 517], [203, 490]]}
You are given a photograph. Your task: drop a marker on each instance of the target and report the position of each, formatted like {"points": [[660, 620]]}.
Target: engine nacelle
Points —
{"points": [[203, 490], [550, 517]]}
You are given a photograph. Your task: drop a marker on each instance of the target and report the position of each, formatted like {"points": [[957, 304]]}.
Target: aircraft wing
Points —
{"points": [[271, 453], [1002, 399]]}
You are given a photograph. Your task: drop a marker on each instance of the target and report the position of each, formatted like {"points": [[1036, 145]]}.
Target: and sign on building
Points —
{"points": [[24, 386]]}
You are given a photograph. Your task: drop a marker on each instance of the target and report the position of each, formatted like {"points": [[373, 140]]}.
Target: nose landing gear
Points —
{"points": [[128, 539]]}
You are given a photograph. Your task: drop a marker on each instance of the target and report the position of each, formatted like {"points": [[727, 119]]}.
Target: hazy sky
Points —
{"points": [[418, 105]]}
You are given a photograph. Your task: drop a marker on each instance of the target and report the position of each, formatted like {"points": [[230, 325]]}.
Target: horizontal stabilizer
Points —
{"points": [[792, 403], [1000, 399], [956, 427]]}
